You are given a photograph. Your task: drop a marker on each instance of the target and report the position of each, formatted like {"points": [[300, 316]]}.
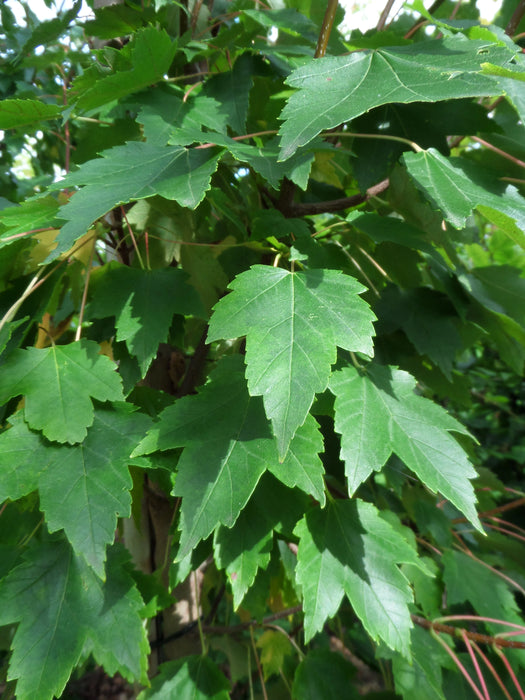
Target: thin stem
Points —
{"points": [[435, 5], [289, 638], [504, 154], [475, 663], [384, 15], [199, 622], [137, 251], [493, 511], [515, 19], [84, 293], [511, 673], [358, 268], [491, 668], [326, 28], [458, 663], [495, 641], [259, 669], [385, 137]]}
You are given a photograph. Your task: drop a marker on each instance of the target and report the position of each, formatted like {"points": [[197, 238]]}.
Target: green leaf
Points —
{"points": [[83, 488], [293, 323], [231, 90], [335, 90], [377, 413], [63, 609], [15, 113], [325, 675], [143, 303], [500, 288], [190, 678], [422, 678], [150, 53], [228, 446], [457, 187], [469, 580], [275, 647], [131, 172], [348, 548], [31, 214], [246, 547], [59, 384]]}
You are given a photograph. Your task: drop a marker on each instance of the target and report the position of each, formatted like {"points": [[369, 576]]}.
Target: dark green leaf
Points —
{"points": [[190, 678]]}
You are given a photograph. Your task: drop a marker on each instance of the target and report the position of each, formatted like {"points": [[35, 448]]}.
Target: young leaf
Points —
{"points": [[130, 172], [335, 90], [59, 384], [348, 548], [83, 488], [63, 609], [293, 323], [377, 413], [228, 446], [143, 303], [195, 677], [457, 187]]}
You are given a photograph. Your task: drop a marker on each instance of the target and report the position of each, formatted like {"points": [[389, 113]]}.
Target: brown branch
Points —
{"points": [[326, 28], [473, 636], [417, 25], [222, 629], [309, 208], [384, 15], [494, 511], [192, 375], [516, 18]]}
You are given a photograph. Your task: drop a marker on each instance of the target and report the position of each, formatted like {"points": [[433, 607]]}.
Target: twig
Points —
{"points": [[384, 15], [309, 208], [326, 28], [84, 293], [473, 636], [515, 19]]}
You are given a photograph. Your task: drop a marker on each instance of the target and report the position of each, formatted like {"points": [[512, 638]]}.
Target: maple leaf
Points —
{"points": [[228, 446], [348, 548], [64, 610], [59, 384], [195, 677], [143, 303], [377, 413], [83, 488], [335, 90], [293, 323]]}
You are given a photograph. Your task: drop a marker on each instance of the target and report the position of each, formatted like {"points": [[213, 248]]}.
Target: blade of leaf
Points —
{"points": [[293, 323]]}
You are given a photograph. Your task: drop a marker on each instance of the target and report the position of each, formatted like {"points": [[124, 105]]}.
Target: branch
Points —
{"points": [[299, 209], [459, 632], [516, 18]]}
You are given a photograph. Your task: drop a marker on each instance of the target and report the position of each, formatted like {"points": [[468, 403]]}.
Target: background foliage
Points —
{"points": [[262, 331]]}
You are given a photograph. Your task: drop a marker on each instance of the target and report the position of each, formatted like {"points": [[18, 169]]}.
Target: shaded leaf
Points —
{"points": [[293, 323], [231, 90], [83, 488], [143, 303], [325, 675], [59, 384], [127, 173], [335, 90], [378, 414], [190, 678], [63, 609], [228, 446]]}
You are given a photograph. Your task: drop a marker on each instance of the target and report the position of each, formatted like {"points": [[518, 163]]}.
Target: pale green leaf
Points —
{"points": [[293, 323], [62, 609], [377, 414], [349, 549], [457, 187], [59, 384], [31, 214], [189, 678], [131, 172], [335, 90], [143, 303], [15, 113], [275, 647]]}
